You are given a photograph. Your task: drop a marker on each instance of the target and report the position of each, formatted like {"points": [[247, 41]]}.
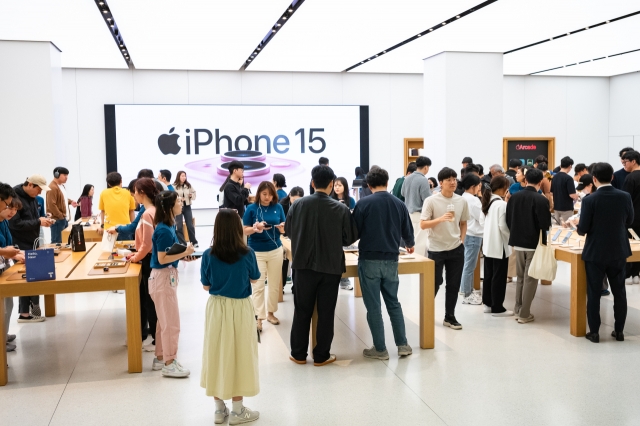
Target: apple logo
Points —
{"points": [[168, 144]]}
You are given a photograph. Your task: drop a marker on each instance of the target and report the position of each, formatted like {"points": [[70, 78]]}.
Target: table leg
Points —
{"points": [[50, 305], [134, 333], [280, 294], [357, 290], [578, 313], [314, 327], [3, 353], [476, 274], [427, 307]]}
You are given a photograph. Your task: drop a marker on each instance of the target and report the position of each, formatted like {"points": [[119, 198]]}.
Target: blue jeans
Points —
{"points": [[472, 247], [381, 276], [56, 230]]}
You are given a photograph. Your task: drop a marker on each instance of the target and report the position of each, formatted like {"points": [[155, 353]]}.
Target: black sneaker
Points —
{"points": [[451, 322], [30, 318]]}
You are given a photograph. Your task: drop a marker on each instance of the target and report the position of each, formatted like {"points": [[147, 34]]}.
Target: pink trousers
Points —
{"points": [[163, 289]]}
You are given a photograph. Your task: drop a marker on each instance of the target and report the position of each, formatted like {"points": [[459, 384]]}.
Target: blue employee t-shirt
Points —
{"points": [[170, 187], [269, 239], [5, 235], [229, 280], [163, 238], [40, 202], [281, 194]]}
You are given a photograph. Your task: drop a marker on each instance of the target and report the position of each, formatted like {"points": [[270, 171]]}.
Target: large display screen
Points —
{"points": [[202, 140]]}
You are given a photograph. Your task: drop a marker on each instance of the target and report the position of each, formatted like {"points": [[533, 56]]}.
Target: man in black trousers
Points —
{"points": [[319, 227], [604, 218]]}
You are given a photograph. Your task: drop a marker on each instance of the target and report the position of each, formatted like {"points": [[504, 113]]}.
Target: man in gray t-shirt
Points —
{"points": [[415, 190]]}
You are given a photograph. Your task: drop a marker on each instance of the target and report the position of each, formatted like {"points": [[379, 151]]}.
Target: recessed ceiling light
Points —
{"points": [[111, 25], [458, 17], [551, 38], [290, 10], [277, 25], [284, 17], [607, 22], [258, 48], [419, 35], [586, 28], [273, 31], [384, 51], [122, 45], [568, 33], [108, 19], [430, 29], [101, 3], [105, 11], [444, 23]]}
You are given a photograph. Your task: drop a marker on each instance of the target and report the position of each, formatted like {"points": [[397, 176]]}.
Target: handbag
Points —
{"points": [[76, 238], [544, 264]]}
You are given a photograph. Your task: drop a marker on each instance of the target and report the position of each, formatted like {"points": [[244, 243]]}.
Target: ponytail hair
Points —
{"points": [[497, 183]]}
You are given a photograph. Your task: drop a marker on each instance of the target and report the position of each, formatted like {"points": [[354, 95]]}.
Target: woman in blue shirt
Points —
{"points": [[263, 223], [280, 182], [163, 283], [341, 193], [230, 350]]}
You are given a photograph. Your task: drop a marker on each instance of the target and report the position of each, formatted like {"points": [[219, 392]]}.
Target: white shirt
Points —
{"points": [[496, 232], [66, 200], [475, 224]]}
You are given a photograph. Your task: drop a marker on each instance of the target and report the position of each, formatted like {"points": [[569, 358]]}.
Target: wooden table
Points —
{"points": [[578, 308], [419, 265], [71, 277], [90, 232]]}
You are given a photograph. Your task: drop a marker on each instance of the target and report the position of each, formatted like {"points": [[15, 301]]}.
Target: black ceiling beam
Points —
{"points": [[105, 11]]}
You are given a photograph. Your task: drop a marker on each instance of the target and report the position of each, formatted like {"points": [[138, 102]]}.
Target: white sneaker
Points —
{"points": [[503, 314], [175, 369], [628, 281], [461, 293], [477, 295], [636, 280], [244, 416], [487, 309], [157, 364], [471, 300], [221, 415]]}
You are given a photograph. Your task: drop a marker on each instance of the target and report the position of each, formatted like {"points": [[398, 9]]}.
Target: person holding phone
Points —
{"points": [[263, 223], [230, 350], [163, 284], [188, 195]]}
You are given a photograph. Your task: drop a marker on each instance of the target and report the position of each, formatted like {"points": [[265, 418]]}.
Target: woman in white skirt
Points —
{"points": [[230, 352]]}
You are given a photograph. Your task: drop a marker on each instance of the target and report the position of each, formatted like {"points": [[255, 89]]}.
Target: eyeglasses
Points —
{"points": [[6, 206]]}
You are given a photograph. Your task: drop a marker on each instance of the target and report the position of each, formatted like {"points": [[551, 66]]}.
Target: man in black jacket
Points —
{"points": [[236, 195], [604, 218], [25, 230], [528, 215], [319, 227]]}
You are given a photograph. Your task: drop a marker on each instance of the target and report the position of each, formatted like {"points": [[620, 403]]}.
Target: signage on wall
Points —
{"points": [[527, 149], [202, 140]]}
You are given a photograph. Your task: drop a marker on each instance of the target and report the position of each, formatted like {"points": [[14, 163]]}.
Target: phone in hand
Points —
{"points": [[267, 227]]}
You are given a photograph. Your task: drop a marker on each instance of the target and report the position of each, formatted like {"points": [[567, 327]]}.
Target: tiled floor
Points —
{"points": [[72, 369]]}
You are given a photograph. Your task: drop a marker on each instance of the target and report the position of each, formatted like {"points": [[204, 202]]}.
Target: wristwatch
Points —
{"points": [[102, 225]]}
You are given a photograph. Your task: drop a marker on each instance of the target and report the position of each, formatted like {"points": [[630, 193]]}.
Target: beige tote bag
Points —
{"points": [[543, 265]]}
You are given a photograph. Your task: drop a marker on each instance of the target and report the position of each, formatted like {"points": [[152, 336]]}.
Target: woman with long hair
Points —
{"points": [[495, 247], [295, 193], [341, 193], [230, 350], [85, 202], [263, 223], [163, 284], [188, 195], [145, 192]]}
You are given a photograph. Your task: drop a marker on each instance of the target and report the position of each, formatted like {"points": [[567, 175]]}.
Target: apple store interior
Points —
{"points": [[136, 133]]}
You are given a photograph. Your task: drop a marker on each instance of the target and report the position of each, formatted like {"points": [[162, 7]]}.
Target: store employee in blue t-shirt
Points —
{"points": [[264, 222]]}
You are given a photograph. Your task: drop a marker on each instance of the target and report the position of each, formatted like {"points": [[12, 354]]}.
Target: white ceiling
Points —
{"points": [[330, 35], [75, 26]]}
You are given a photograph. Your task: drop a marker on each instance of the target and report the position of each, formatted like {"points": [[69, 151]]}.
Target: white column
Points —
{"points": [[30, 110], [463, 109]]}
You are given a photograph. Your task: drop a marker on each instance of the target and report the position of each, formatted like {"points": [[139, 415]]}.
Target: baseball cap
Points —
{"points": [[585, 180], [38, 180]]}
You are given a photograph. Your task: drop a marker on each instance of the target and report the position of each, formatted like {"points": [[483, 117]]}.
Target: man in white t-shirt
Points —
{"points": [[445, 215]]}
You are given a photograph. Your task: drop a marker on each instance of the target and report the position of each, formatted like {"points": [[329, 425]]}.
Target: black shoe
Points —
{"points": [[605, 293], [451, 322], [594, 337], [619, 335]]}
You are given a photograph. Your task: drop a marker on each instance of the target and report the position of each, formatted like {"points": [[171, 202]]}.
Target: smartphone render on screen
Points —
{"points": [[565, 240], [556, 235]]}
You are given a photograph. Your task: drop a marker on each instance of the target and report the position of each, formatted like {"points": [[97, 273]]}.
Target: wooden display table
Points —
{"points": [[419, 265], [578, 309], [72, 277], [90, 232]]}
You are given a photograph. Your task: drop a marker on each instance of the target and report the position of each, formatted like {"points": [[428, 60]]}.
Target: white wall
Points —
{"points": [[395, 106], [574, 110], [624, 114], [30, 109], [463, 108]]}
